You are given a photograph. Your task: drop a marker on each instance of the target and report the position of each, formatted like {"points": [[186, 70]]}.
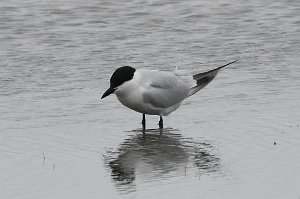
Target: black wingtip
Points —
{"points": [[205, 78], [200, 75], [227, 64]]}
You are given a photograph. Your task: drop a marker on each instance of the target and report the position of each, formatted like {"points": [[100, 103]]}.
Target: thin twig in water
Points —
{"points": [[53, 166], [199, 174], [44, 158]]}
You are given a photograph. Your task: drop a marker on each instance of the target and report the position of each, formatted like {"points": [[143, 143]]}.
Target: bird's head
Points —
{"points": [[121, 75]]}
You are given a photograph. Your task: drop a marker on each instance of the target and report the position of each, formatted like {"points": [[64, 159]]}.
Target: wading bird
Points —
{"points": [[155, 92]]}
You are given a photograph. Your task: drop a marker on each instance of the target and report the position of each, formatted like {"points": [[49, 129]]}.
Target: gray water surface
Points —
{"points": [[237, 138]]}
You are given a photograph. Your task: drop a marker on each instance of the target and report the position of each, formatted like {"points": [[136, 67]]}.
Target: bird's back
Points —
{"points": [[162, 89]]}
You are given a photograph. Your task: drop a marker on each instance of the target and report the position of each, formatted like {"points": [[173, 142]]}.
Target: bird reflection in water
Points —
{"points": [[157, 154]]}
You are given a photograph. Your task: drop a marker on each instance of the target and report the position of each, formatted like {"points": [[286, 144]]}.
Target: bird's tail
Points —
{"points": [[205, 78]]}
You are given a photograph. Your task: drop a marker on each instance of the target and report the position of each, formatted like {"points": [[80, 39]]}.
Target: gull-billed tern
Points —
{"points": [[155, 92]]}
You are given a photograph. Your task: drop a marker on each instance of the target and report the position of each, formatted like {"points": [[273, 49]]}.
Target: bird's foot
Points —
{"points": [[161, 123], [144, 122]]}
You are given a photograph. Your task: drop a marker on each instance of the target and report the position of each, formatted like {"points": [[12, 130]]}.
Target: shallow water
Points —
{"points": [[237, 138]]}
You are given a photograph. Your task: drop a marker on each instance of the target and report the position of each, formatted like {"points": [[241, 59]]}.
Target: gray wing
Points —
{"points": [[165, 90]]}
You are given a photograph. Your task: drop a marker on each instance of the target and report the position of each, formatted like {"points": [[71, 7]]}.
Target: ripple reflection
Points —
{"points": [[159, 154]]}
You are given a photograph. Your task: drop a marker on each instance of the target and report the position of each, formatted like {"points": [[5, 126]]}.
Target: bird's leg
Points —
{"points": [[161, 123], [144, 121]]}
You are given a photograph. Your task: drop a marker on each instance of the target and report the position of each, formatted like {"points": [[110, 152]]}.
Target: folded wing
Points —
{"points": [[165, 90]]}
